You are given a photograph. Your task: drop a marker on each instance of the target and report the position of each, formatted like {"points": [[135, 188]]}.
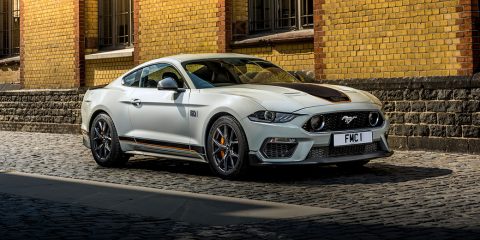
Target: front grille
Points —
{"points": [[337, 122], [324, 152], [278, 150]]}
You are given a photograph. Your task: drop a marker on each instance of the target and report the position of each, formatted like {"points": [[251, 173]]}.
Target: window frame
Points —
{"points": [[115, 45], [137, 73], [140, 70], [275, 19], [11, 13]]}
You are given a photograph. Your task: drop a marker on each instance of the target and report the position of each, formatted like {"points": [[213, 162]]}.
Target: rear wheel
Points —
{"points": [[104, 143], [353, 165], [227, 148]]}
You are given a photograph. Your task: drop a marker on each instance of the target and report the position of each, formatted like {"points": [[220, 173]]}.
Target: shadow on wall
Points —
{"points": [[9, 86], [9, 74]]}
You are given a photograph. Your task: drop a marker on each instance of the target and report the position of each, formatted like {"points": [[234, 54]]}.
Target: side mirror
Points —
{"points": [[169, 84]]}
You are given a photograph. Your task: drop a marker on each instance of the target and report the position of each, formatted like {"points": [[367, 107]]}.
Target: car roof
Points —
{"points": [[193, 57]]}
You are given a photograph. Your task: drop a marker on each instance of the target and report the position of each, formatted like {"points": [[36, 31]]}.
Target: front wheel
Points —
{"points": [[104, 143], [227, 148]]}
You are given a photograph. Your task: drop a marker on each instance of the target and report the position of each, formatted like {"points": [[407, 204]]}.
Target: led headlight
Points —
{"points": [[272, 117]]}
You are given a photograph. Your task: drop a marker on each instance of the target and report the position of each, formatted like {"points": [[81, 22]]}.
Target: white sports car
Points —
{"points": [[230, 111]]}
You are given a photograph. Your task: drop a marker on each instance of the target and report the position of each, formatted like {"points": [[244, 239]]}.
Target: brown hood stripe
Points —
{"points": [[323, 92]]}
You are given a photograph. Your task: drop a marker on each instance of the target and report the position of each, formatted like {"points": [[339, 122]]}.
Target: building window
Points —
{"points": [[115, 24], [280, 15], [9, 28]]}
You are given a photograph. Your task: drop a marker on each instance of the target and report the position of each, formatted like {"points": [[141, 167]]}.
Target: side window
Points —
{"points": [[132, 80], [151, 75]]}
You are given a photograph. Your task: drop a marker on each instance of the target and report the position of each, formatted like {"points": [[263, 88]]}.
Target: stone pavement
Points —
{"points": [[414, 195]]}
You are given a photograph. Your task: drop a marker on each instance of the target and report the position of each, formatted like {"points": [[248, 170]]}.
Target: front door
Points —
{"points": [[159, 117]]}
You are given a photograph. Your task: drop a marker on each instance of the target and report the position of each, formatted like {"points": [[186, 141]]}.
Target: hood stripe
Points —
{"points": [[316, 90]]}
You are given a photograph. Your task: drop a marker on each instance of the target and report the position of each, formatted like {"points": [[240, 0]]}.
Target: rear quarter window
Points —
{"points": [[132, 79]]}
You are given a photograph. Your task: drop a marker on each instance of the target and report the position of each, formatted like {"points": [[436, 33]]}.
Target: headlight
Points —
{"points": [[272, 117]]}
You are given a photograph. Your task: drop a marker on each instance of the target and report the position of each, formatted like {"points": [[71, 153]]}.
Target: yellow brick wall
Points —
{"points": [[49, 37], [103, 71], [170, 27], [9, 73], [390, 38], [291, 57]]}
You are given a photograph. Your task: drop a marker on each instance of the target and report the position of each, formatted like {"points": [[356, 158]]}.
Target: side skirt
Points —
{"points": [[164, 149], [166, 156]]}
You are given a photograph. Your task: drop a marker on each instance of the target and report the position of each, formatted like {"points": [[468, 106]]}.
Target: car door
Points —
{"points": [[159, 117]]}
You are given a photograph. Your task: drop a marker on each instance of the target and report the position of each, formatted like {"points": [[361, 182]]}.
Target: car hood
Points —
{"points": [[291, 97]]}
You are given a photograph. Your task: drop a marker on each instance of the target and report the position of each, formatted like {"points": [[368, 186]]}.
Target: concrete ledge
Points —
{"points": [[43, 91], [268, 39], [11, 60], [439, 144], [438, 82], [128, 52], [61, 128]]}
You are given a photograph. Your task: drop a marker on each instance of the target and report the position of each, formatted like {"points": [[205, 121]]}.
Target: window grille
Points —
{"points": [[9, 28], [115, 24], [278, 15]]}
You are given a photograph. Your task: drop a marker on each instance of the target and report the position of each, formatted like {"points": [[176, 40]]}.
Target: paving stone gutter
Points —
{"points": [[426, 113]]}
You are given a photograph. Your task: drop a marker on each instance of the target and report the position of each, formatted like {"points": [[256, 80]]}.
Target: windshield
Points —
{"points": [[230, 71]]}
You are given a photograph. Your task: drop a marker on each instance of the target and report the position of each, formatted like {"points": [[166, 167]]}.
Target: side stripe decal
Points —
{"points": [[164, 144]]}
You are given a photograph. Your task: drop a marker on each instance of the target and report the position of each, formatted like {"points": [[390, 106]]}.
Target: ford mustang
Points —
{"points": [[231, 111]]}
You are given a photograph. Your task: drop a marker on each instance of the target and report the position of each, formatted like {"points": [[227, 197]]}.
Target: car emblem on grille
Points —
{"points": [[348, 119]]}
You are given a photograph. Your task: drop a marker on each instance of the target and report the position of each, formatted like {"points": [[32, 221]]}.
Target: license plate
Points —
{"points": [[352, 138]]}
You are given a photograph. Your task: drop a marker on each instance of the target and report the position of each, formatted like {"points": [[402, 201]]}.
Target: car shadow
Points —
{"points": [[371, 173]]}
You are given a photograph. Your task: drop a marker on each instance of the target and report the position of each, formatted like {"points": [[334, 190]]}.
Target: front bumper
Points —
{"points": [[307, 142], [255, 161]]}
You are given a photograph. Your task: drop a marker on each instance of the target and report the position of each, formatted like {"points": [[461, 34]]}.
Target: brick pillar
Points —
{"points": [[136, 31], [79, 18], [319, 34], [22, 44], [476, 35], [224, 24]]}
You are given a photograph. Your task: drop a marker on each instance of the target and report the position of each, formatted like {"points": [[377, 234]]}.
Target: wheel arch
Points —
{"points": [[210, 123], [94, 115], [214, 118]]}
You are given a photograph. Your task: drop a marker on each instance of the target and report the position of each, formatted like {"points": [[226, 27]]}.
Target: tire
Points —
{"points": [[227, 153], [353, 165], [104, 143]]}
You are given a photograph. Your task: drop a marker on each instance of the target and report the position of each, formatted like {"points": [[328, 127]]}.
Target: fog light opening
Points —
{"points": [[317, 123], [373, 119]]}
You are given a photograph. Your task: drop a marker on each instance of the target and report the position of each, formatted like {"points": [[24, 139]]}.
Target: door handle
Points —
{"points": [[136, 102]]}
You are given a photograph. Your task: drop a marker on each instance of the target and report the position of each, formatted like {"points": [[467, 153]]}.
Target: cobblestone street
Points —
{"points": [[414, 195]]}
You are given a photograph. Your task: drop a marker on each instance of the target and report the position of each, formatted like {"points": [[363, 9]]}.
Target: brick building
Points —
{"points": [[419, 56]]}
